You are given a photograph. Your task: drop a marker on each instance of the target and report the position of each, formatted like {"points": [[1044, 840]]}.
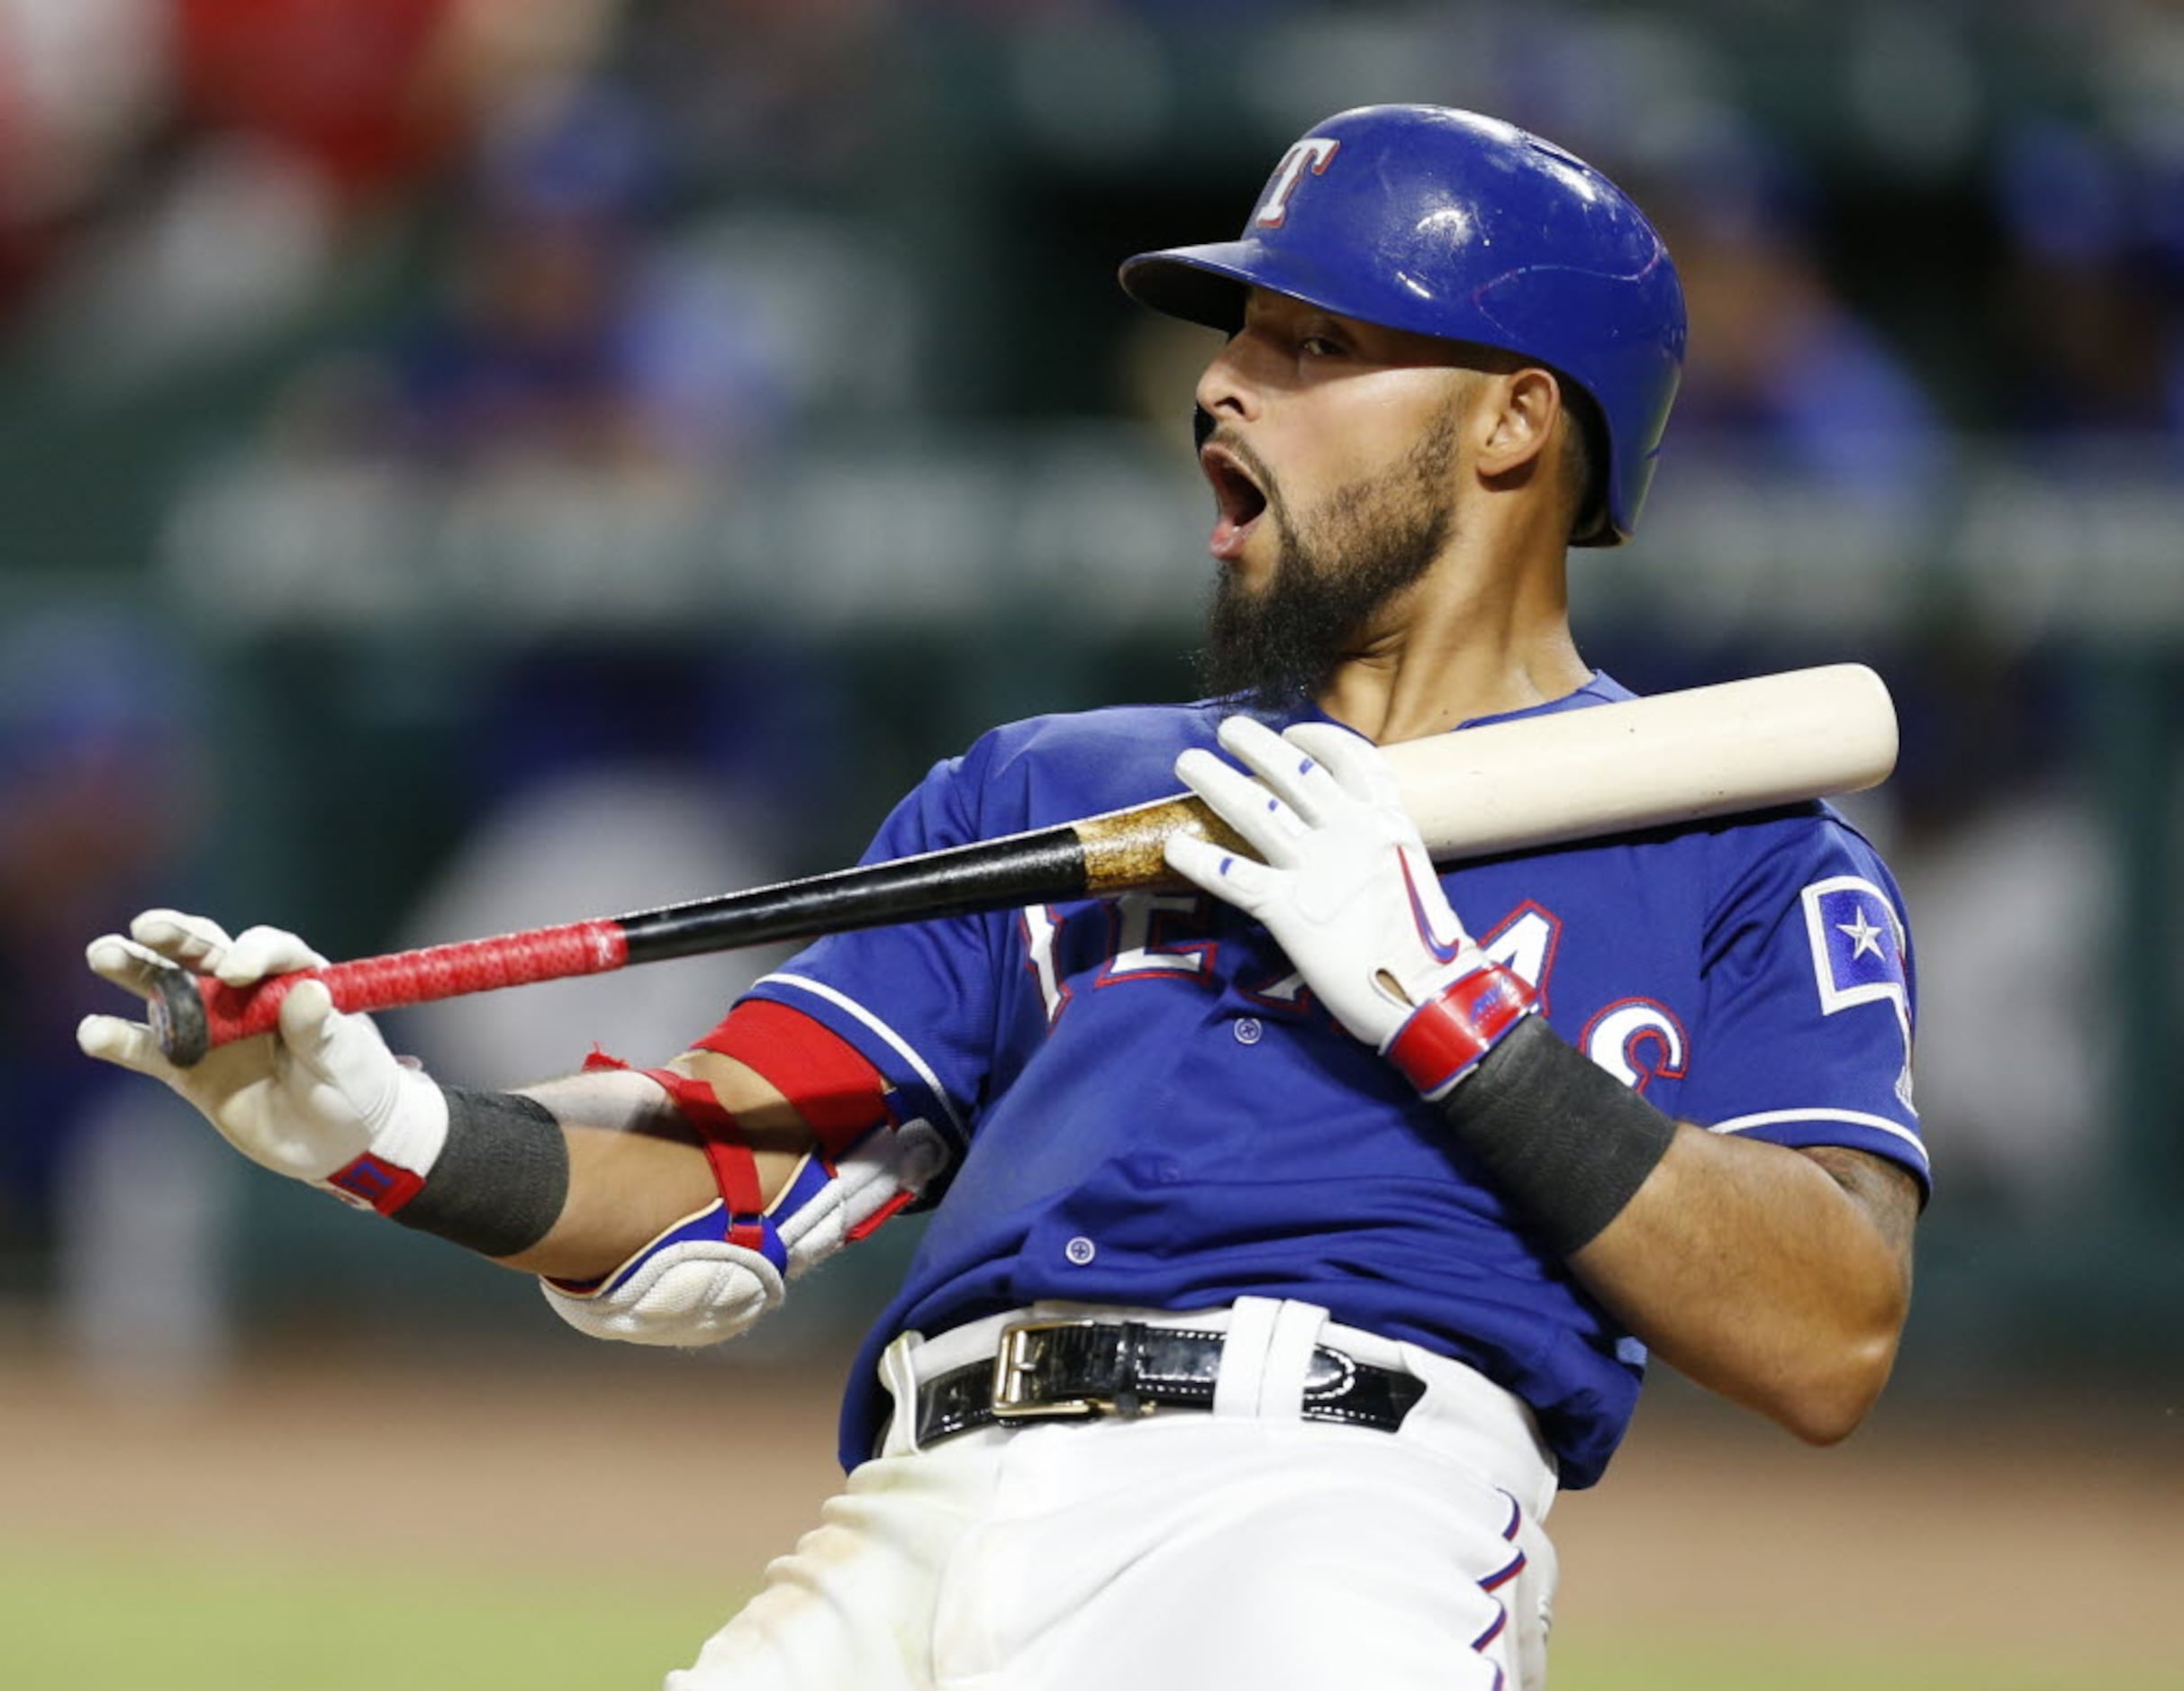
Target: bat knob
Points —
{"points": [[177, 1014]]}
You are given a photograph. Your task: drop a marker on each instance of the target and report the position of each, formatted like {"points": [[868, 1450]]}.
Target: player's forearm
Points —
{"points": [[635, 1167], [624, 1190], [804, 1163], [1764, 1276]]}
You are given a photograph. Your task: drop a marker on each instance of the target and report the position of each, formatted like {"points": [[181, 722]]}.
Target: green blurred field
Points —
{"points": [[89, 1624]]}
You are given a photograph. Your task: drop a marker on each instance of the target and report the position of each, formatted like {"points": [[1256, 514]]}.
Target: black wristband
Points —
{"points": [[1558, 1135], [500, 1179]]}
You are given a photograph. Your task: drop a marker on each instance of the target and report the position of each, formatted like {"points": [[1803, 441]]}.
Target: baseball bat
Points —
{"points": [[1671, 758]]}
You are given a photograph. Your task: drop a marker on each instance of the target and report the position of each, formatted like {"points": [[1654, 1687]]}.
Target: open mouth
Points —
{"points": [[1238, 499]]}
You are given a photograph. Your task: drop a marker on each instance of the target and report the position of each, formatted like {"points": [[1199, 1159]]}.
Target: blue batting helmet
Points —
{"points": [[1447, 223]]}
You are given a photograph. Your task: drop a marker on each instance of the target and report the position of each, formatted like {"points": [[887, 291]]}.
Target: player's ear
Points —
{"points": [[1515, 421]]}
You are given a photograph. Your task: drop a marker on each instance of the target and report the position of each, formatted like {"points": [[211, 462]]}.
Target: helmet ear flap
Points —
{"points": [[1591, 523]]}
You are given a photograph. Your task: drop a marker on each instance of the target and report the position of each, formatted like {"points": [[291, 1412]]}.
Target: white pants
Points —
{"points": [[1185, 1552]]}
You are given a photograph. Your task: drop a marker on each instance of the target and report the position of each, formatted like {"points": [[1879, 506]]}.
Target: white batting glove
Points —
{"points": [[1349, 892], [322, 1099]]}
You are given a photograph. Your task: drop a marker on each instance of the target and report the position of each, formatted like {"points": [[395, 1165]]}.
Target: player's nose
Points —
{"points": [[1226, 392]]}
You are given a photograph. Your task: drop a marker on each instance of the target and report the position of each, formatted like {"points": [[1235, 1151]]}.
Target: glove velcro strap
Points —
{"points": [[404, 1150], [371, 1182], [1445, 1038]]}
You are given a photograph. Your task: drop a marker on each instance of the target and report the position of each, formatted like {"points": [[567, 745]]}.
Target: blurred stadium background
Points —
{"points": [[468, 463]]}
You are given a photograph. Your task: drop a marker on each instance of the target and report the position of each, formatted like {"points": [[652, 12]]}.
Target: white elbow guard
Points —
{"points": [[713, 1273], [691, 1285]]}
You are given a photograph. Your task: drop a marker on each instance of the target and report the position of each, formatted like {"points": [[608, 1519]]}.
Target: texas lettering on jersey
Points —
{"points": [[1636, 1039]]}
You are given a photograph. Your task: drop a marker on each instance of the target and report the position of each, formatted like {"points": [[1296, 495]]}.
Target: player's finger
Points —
{"points": [[1349, 760], [1266, 824], [307, 1016], [1216, 870], [129, 1045], [258, 952], [195, 942], [1296, 780], [127, 965], [343, 1051]]}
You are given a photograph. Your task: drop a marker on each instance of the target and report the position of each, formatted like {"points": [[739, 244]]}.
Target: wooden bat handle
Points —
{"points": [[1125, 850]]}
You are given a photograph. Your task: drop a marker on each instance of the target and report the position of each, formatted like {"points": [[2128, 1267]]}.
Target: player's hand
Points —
{"points": [[306, 1100], [1347, 886]]}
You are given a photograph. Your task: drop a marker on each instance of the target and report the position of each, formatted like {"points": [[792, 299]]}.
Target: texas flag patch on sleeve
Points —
{"points": [[1858, 952]]}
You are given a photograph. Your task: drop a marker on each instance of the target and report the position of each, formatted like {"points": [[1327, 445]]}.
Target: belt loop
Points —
{"points": [[1289, 1359], [1251, 1329], [899, 1374]]}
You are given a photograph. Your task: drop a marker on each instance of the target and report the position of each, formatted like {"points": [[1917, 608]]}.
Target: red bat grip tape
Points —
{"points": [[226, 1013]]}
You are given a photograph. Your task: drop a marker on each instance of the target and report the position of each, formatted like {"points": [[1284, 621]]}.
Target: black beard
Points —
{"points": [[1279, 647]]}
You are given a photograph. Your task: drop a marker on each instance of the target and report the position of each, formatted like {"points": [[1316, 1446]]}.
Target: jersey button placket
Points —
{"points": [[1079, 1251], [1249, 1030]]}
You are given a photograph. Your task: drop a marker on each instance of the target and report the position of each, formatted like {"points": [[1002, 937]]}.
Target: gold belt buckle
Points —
{"points": [[1012, 1367]]}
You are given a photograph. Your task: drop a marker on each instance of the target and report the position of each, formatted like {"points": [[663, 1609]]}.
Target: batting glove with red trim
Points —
{"points": [[322, 1099], [1348, 889]]}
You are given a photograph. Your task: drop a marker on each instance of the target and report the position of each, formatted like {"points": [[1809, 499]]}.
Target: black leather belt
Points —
{"points": [[1085, 1367]]}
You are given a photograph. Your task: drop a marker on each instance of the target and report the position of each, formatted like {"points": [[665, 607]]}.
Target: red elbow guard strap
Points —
{"points": [[841, 1097], [1446, 1038], [735, 1170]]}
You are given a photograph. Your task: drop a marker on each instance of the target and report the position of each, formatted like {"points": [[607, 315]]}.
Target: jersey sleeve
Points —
{"points": [[916, 999], [1812, 998]]}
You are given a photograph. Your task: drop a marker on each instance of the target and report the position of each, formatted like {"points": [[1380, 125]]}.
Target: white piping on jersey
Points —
{"points": [[819, 988], [1857, 1119]]}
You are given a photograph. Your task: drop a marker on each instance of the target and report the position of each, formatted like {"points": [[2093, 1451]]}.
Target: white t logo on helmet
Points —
{"points": [[1315, 152]]}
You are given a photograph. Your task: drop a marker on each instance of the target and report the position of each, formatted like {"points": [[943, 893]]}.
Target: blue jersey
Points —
{"points": [[1151, 1110]]}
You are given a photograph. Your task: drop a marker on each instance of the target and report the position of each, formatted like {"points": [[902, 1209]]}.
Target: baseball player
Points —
{"points": [[1297, 1238]]}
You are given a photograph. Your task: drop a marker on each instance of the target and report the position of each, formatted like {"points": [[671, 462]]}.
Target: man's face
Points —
{"points": [[1333, 457]]}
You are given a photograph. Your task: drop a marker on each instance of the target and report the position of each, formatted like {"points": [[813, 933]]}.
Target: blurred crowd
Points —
{"points": [[635, 221], [515, 246]]}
